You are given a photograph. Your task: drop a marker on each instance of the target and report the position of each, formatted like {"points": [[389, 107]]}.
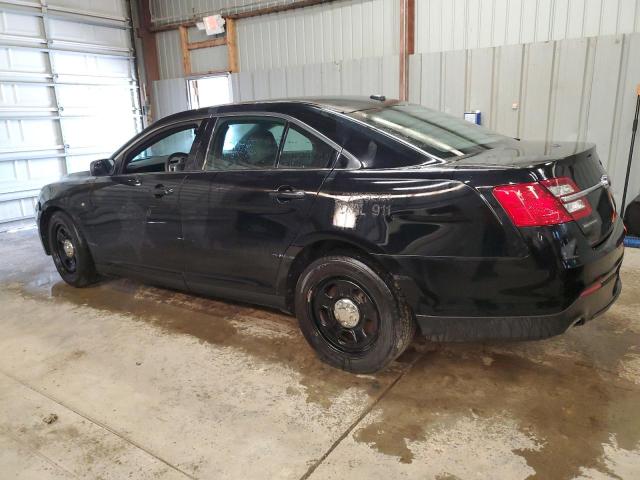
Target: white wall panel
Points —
{"points": [[443, 25], [169, 54], [567, 90], [332, 32]]}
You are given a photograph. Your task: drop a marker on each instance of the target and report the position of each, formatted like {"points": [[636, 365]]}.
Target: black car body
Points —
{"points": [[446, 211]]}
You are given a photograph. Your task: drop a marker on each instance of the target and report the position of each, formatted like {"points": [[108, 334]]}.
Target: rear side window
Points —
{"points": [[245, 144], [304, 150], [442, 135]]}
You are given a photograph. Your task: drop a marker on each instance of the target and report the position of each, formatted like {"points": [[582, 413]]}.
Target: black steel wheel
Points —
{"points": [[350, 315], [345, 315], [65, 250], [70, 252]]}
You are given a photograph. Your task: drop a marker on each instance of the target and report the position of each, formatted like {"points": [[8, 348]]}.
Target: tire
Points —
{"points": [[325, 296], [75, 265]]}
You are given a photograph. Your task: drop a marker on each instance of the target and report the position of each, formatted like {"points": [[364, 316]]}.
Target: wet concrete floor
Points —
{"points": [[126, 380]]}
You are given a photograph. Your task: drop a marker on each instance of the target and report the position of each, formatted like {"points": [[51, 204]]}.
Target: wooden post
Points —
{"points": [[184, 47], [407, 43], [232, 45], [149, 55]]}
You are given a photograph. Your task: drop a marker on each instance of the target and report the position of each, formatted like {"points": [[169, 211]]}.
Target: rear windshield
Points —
{"points": [[439, 134]]}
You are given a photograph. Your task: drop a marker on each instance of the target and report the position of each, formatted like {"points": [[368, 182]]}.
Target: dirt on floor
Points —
{"points": [[127, 380]]}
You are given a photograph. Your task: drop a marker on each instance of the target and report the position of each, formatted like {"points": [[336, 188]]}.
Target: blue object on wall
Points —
{"points": [[473, 117]]}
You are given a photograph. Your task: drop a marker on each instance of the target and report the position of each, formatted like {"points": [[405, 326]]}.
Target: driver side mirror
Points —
{"points": [[100, 168]]}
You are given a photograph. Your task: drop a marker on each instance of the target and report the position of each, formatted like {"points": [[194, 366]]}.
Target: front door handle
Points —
{"points": [[160, 191], [284, 194], [134, 181]]}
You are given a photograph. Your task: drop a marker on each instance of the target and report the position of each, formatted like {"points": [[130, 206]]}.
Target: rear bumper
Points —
{"points": [[537, 296], [460, 329]]}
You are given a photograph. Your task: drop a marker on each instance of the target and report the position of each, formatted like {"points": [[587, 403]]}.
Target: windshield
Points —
{"points": [[439, 134]]}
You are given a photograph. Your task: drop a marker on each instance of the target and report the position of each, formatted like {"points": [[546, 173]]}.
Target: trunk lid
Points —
{"points": [[577, 161]]}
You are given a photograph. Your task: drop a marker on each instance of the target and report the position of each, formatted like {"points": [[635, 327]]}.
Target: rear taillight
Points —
{"points": [[564, 186], [540, 203]]}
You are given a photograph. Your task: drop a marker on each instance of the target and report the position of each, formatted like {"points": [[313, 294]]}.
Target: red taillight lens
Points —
{"points": [[563, 186], [531, 205], [537, 204]]}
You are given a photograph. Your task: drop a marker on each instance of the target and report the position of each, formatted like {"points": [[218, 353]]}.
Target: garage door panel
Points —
{"points": [[17, 209], [78, 99], [89, 34], [19, 171], [105, 132], [113, 9], [17, 24], [79, 65], [63, 106], [22, 60], [80, 163], [48, 169], [19, 95], [22, 135]]}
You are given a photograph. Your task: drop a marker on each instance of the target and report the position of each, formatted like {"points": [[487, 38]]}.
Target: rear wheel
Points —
{"points": [[70, 252], [350, 315]]}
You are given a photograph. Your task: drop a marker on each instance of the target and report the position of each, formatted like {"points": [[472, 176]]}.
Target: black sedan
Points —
{"points": [[367, 218]]}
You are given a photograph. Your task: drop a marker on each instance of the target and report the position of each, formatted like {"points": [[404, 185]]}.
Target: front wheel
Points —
{"points": [[350, 315], [70, 252]]}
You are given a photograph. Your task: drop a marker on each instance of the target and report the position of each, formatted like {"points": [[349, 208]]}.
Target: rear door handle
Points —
{"points": [[160, 191], [285, 194], [134, 181]]}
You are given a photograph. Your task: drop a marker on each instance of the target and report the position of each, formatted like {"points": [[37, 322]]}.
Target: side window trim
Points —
{"points": [[285, 132], [122, 157]]}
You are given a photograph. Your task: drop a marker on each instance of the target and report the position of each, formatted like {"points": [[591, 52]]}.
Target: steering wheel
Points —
{"points": [[175, 162]]}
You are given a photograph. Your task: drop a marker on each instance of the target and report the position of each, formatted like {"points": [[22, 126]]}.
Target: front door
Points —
{"points": [[137, 228], [260, 178]]}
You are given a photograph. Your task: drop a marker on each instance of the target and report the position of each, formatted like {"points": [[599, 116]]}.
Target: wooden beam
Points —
{"points": [[173, 26], [232, 45], [407, 43], [411, 27], [403, 50], [184, 47], [215, 42], [149, 54]]}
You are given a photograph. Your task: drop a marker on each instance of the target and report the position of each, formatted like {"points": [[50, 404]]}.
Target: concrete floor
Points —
{"points": [[139, 382]]}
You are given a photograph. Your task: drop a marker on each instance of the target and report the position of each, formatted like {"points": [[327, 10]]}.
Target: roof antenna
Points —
{"points": [[381, 98]]}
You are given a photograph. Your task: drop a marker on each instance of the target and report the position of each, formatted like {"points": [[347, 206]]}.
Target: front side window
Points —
{"points": [[164, 152], [245, 144], [304, 150]]}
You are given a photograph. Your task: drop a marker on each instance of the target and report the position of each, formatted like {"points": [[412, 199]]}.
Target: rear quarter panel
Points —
{"points": [[407, 212]]}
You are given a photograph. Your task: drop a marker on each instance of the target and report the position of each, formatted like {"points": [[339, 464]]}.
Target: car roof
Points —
{"points": [[338, 104]]}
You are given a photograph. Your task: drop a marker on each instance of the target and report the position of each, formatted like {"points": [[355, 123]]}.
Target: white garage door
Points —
{"points": [[68, 93]]}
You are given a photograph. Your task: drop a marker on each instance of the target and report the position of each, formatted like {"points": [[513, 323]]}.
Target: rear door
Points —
{"points": [[262, 177], [136, 225]]}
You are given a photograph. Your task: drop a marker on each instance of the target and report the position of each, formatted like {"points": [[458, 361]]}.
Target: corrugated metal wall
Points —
{"points": [[443, 25], [332, 32], [570, 66], [341, 48], [347, 47], [68, 93], [170, 11]]}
